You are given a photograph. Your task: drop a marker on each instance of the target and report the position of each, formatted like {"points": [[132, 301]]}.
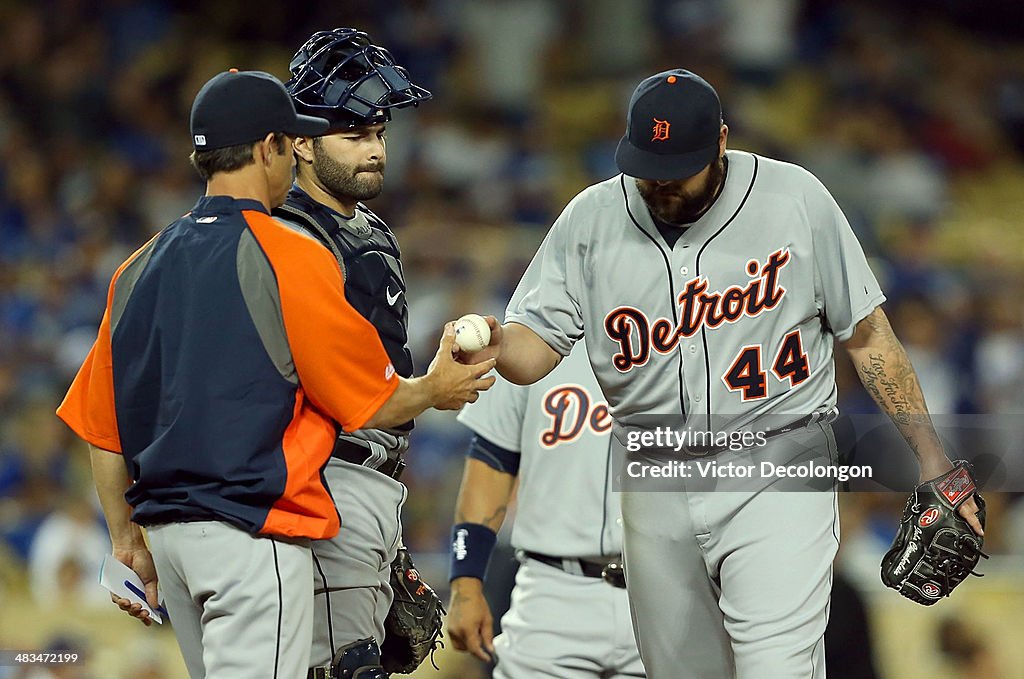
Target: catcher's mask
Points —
{"points": [[342, 76]]}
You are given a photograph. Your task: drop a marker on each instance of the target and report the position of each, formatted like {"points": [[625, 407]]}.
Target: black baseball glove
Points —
{"points": [[935, 549], [412, 628]]}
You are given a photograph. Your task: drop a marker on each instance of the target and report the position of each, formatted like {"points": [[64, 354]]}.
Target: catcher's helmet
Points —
{"points": [[342, 76]]}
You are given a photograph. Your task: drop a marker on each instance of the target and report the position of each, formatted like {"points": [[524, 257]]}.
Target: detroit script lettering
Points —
{"points": [[572, 411], [637, 336]]}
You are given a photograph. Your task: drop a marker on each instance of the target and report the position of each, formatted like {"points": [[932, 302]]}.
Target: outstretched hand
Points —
{"points": [[457, 383]]}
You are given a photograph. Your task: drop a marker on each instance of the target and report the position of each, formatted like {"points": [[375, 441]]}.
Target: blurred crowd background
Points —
{"points": [[911, 112]]}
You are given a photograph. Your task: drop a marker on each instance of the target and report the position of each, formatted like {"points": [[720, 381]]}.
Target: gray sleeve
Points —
{"points": [[498, 414], [547, 297], [845, 287]]}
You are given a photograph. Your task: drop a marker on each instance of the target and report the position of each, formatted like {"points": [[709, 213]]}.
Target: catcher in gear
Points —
{"points": [[356, 85], [937, 547]]}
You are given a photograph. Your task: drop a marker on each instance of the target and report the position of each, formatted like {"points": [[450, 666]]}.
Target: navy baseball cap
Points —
{"points": [[672, 127], [238, 107]]}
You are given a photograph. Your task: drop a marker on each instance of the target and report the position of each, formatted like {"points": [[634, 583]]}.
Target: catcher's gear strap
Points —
{"points": [[472, 544], [317, 230], [360, 659], [375, 672]]}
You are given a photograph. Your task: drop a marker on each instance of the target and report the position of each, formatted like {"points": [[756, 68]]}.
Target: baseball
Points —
{"points": [[472, 333]]}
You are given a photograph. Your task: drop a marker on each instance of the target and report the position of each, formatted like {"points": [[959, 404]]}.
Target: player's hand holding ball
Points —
{"points": [[472, 333], [477, 338], [455, 383]]}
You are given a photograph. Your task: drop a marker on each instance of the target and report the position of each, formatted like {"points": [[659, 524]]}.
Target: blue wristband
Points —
{"points": [[472, 544]]}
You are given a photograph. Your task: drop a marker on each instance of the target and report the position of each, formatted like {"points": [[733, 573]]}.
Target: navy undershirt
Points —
{"points": [[672, 232]]}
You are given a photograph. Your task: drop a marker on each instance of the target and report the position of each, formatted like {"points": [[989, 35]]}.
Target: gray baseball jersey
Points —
{"points": [[561, 428], [736, 320], [560, 624]]}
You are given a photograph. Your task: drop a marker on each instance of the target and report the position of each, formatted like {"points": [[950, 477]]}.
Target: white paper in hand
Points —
{"points": [[125, 583]]}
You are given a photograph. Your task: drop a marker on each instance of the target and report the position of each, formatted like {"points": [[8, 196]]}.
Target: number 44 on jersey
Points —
{"points": [[748, 377]]}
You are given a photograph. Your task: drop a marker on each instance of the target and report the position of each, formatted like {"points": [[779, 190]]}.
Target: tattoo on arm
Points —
{"points": [[885, 387], [889, 378]]}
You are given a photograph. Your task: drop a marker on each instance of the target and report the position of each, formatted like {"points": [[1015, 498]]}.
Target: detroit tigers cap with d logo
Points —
{"points": [[237, 107], [672, 127]]}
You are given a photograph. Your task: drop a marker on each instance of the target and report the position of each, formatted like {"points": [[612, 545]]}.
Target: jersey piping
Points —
{"points": [[703, 329], [671, 286]]}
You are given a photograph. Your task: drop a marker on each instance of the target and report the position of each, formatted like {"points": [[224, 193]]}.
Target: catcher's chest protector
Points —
{"points": [[371, 263]]}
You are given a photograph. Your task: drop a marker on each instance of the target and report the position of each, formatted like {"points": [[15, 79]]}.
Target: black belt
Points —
{"points": [[824, 416], [610, 572], [364, 456]]}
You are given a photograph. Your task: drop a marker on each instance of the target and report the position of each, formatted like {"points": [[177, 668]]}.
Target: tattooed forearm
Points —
{"points": [[889, 378], [886, 389]]}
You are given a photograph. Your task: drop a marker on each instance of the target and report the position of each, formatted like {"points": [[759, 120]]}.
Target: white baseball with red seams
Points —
{"points": [[472, 333]]}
